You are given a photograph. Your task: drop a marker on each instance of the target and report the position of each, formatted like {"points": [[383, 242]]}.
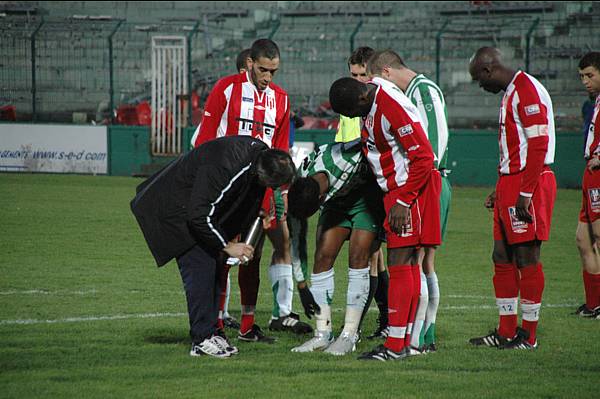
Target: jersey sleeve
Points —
{"points": [[433, 111], [216, 103], [282, 133]]}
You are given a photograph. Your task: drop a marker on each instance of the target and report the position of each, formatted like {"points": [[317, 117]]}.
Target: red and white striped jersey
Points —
{"points": [[592, 143], [526, 113], [236, 107], [396, 145]]}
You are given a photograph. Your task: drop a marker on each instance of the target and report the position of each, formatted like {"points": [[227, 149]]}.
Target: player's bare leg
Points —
{"points": [[588, 243]]}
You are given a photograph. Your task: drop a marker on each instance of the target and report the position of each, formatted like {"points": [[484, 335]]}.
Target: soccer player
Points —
{"points": [[429, 100], [588, 228], [523, 199], [251, 104], [401, 159], [337, 178]]}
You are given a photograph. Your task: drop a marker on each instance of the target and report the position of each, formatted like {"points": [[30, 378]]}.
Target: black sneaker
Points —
{"points": [[384, 354], [232, 323], [493, 339], [430, 348], [584, 311], [255, 334], [382, 329], [290, 323], [519, 341], [224, 343]]}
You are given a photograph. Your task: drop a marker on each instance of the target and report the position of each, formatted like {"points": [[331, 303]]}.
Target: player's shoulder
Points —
{"points": [[230, 79], [278, 90]]}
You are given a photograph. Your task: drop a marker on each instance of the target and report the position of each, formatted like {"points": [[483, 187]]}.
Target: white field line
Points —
{"points": [[160, 315], [48, 292]]}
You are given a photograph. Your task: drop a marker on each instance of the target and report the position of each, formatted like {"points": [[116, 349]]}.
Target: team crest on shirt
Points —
{"points": [[594, 195], [532, 109], [518, 226], [369, 122], [270, 102], [405, 130]]}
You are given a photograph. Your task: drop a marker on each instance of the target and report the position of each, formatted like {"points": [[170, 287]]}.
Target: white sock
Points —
{"points": [[356, 298], [421, 312], [434, 300], [282, 274], [322, 288], [226, 306]]}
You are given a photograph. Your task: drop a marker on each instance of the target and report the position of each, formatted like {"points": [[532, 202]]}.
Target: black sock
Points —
{"points": [[381, 295]]}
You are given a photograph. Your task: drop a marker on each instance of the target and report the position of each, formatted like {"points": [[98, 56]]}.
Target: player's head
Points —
{"points": [[385, 63], [304, 197], [264, 62], [349, 97], [486, 69], [589, 72], [357, 63], [275, 168], [241, 62]]}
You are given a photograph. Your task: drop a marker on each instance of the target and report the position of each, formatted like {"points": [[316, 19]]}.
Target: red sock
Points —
{"points": [[588, 286], [416, 275], [399, 299], [595, 291], [507, 294], [246, 323], [532, 287]]}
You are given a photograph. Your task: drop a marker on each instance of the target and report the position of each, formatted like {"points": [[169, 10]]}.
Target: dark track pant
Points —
{"points": [[200, 274]]}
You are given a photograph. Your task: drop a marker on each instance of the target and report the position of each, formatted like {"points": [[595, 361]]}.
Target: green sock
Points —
{"points": [[430, 335]]}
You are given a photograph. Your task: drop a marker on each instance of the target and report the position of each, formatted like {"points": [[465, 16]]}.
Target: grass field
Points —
{"points": [[84, 312]]}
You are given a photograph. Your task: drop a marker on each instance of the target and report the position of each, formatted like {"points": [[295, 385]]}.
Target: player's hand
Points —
{"points": [[594, 163], [308, 302], [522, 209], [490, 200], [399, 219], [240, 250]]}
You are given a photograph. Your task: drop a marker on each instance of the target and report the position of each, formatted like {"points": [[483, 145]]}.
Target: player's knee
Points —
{"points": [[500, 257], [324, 259], [358, 259]]}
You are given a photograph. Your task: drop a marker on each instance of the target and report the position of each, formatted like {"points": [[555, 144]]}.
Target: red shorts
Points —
{"points": [[590, 203], [507, 226], [424, 229]]}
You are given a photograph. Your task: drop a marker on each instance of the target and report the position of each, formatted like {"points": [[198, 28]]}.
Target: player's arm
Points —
{"points": [[433, 111], [281, 138], [213, 111], [534, 118]]}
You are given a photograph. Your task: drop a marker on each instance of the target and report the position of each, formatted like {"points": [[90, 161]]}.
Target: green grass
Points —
{"points": [[70, 250]]}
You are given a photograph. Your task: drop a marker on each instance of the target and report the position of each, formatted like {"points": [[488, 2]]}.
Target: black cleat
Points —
{"points": [[584, 311], [519, 341], [384, 354], [290, 323], [382, 329], [255, 334], [232, 323], [430, 348], [493, 339]]}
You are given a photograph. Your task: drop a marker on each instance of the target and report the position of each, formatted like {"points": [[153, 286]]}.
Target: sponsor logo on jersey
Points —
{"points": [[405, 130], [259, 128], [532, 109], [206, 113], [518, 226], [371, 145], [248, 99], [594, 195]]}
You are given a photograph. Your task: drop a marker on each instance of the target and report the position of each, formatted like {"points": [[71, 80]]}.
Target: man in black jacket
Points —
{"points": [[193, 209]]}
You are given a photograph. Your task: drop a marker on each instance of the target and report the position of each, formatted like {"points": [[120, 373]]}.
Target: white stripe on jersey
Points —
{"points": [[590, 133], [223, 125]]}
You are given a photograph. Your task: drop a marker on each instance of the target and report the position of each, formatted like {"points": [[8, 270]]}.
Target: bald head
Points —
{"points": [[487, 68]]}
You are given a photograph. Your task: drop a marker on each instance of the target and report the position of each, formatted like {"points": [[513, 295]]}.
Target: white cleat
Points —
{"points": [[346, 343], [319, 342]]}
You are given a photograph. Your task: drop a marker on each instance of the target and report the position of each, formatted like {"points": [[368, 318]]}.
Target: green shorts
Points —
{"points": [[445, 198], [362, 210]]}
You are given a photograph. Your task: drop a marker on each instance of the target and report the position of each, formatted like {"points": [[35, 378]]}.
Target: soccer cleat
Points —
{"points": [[319, 342], [255, 334], [209, 347], [493, 339], [430, 348], [412, 351], [382, 330], [584, 311], [344, 344], [519, 341], [383, 354], [290, 323], [232, 323], [222, 341]]}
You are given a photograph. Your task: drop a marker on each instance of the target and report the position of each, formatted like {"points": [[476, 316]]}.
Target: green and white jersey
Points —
{"points": [[337, 161], [429, 100]]}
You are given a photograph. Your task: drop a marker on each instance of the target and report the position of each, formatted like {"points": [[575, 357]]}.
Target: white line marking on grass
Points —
{"points": [[48, 292], [158, 315]]}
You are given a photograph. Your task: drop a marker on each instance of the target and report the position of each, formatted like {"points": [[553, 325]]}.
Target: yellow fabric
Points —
{"points": [[348, 129]]}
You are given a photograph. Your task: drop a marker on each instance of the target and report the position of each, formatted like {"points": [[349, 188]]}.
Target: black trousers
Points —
{"points": [[200, 274]]}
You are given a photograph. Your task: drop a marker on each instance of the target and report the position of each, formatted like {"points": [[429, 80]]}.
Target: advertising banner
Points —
{"points": [[53, 148]]}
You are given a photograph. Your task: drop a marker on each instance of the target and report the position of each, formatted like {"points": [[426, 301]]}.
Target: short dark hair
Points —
{"points": [[275, 168], [240, 61], [384, 58], [590, 59], [264, 48], [360, 56], [304, 197], [344, 94]]}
